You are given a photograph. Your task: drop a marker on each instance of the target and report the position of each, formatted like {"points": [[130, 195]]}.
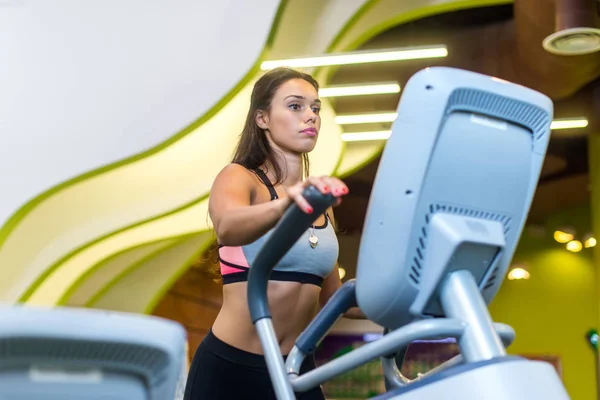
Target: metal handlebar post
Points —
{"points": [[287, 232]]}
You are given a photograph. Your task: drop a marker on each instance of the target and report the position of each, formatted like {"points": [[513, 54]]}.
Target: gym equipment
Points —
{"points": [[449, 202], [70, 353]]}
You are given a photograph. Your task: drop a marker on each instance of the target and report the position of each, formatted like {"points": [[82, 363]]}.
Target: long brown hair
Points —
{"points": [[253, 148]]}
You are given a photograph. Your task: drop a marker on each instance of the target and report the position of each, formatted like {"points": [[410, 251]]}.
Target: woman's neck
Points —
{"points": [[294, 170], [291, 167]]}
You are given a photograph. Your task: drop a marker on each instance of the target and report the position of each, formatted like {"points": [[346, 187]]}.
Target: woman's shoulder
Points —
{"points": [[236, 180], [236, 173], [235, 170]]}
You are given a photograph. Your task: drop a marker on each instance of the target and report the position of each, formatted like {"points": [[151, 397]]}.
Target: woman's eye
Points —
{"points": [[316, 110], [295, 106]]}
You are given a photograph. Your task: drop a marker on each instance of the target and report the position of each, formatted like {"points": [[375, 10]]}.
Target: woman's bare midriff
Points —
{"points": [[293, 305]]}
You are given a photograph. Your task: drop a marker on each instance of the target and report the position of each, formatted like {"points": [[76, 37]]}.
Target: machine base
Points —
{"points": [[506, 378]]}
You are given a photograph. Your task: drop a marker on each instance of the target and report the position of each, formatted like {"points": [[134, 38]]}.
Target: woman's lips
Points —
{"points": [[309, 131]]}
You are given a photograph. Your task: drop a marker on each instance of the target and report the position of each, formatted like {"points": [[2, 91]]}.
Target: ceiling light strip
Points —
{"points": [[365, 118], [361, 57], [569, 123], [366, 136], [359, 90]]}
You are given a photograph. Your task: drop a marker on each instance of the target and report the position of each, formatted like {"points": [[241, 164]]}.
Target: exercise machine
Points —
{"points": [[449, 202], [70, 353]]}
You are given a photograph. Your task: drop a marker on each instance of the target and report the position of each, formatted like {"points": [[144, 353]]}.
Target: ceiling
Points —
{"points": [[502, 41]]}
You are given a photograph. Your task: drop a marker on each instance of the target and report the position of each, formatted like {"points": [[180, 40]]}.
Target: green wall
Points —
{"points": [[552, 310]]}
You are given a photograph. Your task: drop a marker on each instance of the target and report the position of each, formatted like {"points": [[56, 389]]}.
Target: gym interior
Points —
{"points": [[116, 117]]}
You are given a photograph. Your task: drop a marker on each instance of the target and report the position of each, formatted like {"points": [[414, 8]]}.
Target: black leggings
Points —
{"points": [[220, 371]]}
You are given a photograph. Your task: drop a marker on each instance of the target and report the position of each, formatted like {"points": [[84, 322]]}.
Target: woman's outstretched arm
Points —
{"points": [[236, 222]]}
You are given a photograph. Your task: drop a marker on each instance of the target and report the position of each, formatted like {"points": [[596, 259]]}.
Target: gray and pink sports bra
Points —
{"points": [[302, 263]]}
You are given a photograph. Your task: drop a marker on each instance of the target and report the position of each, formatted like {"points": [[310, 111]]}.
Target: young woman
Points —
{"points": [[268, 172]]}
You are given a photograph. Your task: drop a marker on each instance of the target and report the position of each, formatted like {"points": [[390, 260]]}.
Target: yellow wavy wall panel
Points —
{"points": [[172, 90], [188, 221], [101, 273], [151, 273], [189, 165]]}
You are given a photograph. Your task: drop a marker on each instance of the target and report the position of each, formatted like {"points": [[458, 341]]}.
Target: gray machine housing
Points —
{"points": [[505, 378], [471, 146], [70, 353]]}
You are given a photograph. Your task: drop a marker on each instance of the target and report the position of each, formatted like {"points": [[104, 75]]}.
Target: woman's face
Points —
{"points": [[293, 122]]}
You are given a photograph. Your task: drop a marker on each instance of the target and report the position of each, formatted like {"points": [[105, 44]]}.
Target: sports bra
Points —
{"points": [[302, 263]]}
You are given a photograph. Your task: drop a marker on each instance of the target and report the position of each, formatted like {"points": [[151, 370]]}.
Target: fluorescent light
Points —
{"points": [[359, 90], [359, 57], [574, 246], [365, 118], [391, 117], [591, 242], [365, 136], [518, 273], [568, 123], [563, 237]]}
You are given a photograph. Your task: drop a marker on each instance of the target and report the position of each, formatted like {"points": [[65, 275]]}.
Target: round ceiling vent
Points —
{"points": [[573, 41]]}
